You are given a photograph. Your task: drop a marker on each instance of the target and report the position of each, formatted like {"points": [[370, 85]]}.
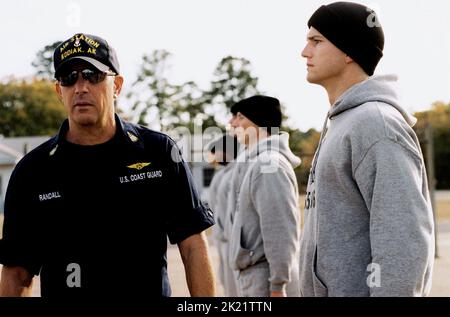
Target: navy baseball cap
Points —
{"points": [[90, 48]]}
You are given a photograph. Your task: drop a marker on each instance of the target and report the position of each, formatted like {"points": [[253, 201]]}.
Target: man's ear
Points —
{"points": [[348, 59], [118, 82], [58, 90]]}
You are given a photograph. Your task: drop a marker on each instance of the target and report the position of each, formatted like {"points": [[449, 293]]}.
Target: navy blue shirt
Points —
{"points": [[103, 212]]}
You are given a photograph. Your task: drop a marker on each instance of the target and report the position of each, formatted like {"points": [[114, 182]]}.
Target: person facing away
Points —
{"points": [[368, 219], [90, 210], [223, 153], [265, 232]]}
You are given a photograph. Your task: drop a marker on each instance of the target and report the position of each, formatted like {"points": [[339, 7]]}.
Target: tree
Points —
{"points": [[304, 145], [188, 108], [439, 119], [232, 81], [44, 61], [151, 90], [29, 108], [156, 100]]}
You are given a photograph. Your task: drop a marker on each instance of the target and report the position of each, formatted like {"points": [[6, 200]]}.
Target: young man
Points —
{"points": [[223, 151], [264, 200], [368, 219], [90, 209]]}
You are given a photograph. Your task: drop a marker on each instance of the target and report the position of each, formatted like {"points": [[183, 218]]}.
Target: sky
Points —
{"points": [[269, 33]]}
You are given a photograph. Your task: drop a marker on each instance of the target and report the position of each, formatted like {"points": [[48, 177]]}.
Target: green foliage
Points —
{"points": [[439, 119], [232, 81], [155, 99], [44, 61], [29, 108], [303, 144]]}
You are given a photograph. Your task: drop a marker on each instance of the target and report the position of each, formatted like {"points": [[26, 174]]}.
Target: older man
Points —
{"points": [[90, 209]]}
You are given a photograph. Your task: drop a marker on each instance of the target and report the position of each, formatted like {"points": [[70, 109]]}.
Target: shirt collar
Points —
{"points": [[125, 131]]}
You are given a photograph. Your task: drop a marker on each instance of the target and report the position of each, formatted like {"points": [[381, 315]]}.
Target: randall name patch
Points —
{"points": [[49, 196]]}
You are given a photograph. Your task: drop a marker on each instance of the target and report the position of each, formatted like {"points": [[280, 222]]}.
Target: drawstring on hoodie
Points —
{"points": [[322, 136]]}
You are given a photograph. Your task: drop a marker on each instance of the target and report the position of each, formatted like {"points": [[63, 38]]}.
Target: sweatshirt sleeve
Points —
{"points": [[276, 201], [212, 191], [392, 181]]}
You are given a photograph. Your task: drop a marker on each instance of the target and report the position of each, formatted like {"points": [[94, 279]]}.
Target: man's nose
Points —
{"points": [[231, 120], [305, 52], [81, 85]]}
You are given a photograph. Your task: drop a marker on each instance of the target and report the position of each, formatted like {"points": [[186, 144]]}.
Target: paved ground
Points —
{"points": [[442, 195], [441, 275]]}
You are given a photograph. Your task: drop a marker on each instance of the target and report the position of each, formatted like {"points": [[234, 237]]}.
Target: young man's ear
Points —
{"points": [[348, 59]]}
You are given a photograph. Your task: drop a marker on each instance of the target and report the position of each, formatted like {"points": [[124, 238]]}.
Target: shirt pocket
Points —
{"points": [[320, 289]]}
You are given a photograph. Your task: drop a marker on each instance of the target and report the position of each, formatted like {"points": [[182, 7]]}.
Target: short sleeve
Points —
{"points": [[187, 214], [19, 245]]}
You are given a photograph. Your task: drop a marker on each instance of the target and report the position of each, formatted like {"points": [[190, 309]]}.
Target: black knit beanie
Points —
{"points": [[354, 29], [264, 111], [227, 145]]}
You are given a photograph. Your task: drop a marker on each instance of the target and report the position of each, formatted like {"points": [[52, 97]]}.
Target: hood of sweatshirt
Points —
{"points": [[378, 88], [374, 89], [279, 143]]}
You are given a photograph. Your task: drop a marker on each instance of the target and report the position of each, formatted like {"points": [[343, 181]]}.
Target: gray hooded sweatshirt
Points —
{"points": [[368, 218], [218, 200], [266, 225]]}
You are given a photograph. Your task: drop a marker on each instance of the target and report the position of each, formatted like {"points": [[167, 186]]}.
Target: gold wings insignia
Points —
{"points": [[139, 166]]}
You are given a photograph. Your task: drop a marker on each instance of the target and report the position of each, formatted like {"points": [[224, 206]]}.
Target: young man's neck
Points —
{"points": [[338, 86], [91, 135]]}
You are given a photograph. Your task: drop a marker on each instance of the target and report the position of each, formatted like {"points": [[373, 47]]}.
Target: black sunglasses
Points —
{"points": [[93, 76]]}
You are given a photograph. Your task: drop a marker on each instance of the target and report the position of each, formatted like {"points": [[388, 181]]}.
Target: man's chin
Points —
{"points": [[311, 79], [84, 119]]}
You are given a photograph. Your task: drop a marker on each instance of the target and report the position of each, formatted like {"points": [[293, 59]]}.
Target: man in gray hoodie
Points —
{"points": [[223, 153], [264, 240], [368, 219]]}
